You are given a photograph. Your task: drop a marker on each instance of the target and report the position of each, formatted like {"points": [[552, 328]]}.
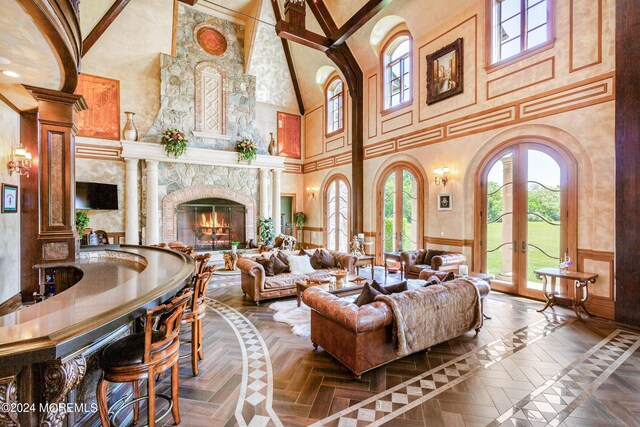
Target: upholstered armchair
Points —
{"points": [[430, 259]]}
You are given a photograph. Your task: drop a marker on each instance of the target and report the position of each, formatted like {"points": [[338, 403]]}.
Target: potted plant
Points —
{"points": [[267, 234], [247, 150], [174, 142], [234, 246], [300, 218], [82, 221]]}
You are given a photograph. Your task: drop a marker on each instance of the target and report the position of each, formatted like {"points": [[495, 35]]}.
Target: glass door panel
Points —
{"points": [[389, 211], [544, 231], [343, 216], [500, 221], [331, 216], [409, 237]]}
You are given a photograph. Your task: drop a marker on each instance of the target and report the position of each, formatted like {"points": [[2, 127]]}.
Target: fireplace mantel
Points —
{"points": [[197, 156]]}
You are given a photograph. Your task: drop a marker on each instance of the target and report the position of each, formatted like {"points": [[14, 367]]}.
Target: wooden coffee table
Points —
{"points": [[336, 288]]}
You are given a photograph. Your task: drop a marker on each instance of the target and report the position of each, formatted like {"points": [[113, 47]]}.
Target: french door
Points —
{"points": [[400, 201], [525, 216]]}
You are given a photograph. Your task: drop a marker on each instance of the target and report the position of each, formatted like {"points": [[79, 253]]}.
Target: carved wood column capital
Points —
{"points": [[59, 379], [8, 395]]}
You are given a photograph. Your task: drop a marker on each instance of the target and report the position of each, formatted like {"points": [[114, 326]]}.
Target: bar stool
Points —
{"points": [[194, 314], [145, 355]]}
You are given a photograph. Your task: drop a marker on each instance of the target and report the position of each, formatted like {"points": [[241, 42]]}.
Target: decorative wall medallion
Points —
{"points": [[210, 39]]}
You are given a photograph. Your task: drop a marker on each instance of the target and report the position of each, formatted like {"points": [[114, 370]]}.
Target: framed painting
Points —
{"points": [[445, 72], [102, 119], [289, 134], [445, 201], [9, 198]]}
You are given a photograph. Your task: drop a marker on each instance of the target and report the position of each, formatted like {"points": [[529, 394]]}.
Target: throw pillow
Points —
{"points": [[391, 289], [303, 252], [316, 259], [267, 264], [279, 267], [300, 265], [367, 296], [449, 276], [285, 259], [326, 259]]}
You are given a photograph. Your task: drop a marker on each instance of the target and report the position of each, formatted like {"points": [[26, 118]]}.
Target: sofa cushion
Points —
{"points": [[267, 264], [390, 289], [278, 265], [283, 281], [300, 264], [417, 268], [444, 276], [433, 280], [320, 274], [367, 296]]}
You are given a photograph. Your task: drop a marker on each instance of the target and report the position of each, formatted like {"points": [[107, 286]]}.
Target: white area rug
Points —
{"points": [[299, 318]]}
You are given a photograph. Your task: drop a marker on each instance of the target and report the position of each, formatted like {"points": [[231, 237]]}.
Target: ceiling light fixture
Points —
{"points": [[10, 73], [20, 162]]}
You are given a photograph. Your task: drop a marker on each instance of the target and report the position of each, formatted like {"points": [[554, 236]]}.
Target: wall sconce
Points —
{"points": [[441, 176], [311, 192], [20, 162]]}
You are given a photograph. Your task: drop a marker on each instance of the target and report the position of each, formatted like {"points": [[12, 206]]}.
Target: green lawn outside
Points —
{"points": [[541, 234]]}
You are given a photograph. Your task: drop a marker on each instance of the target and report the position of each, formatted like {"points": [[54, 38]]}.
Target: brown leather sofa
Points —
{"points": [[359, 337], [260, 287], [430, 259]]}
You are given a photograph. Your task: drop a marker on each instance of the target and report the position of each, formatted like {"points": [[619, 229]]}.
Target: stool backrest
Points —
{"points": [[200, 289], [170, 315], [188, 250], [201, 262]]}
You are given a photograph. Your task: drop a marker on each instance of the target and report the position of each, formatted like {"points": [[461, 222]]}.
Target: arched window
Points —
{"points": [[397, 71], [337, 196], [335, 102]]}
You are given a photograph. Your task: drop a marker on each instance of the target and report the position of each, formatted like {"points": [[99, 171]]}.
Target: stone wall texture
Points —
{"points": [[177, 86]]}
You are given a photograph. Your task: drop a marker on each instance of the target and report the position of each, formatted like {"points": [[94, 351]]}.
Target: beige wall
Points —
{"points": [[9, 222], [563, 94]]}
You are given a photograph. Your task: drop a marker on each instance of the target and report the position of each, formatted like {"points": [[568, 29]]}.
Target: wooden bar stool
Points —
{"points": [[194, 315], [145, 355]]}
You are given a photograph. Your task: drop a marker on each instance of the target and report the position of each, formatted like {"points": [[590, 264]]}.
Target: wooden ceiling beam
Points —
{"points": [[289, 58], [358, 20], [307, 38], [108, 18]]}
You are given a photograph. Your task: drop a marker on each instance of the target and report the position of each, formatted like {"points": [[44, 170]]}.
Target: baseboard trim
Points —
{"points": [[10, 305]]}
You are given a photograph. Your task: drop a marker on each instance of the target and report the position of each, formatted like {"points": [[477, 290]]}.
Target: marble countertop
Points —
{"points": [[118, 284]]}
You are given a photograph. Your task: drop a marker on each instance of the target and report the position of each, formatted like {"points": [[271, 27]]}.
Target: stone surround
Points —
{"points": [[172, 200]]}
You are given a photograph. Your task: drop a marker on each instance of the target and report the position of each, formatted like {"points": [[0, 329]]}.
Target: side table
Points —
{"points": [[393, 256], [364, 260], [580, 282]]}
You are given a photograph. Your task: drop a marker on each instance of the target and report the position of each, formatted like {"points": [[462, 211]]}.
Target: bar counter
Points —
{"points": [[119, 283]]}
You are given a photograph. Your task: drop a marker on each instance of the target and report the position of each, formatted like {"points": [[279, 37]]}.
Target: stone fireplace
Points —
{"points": [[208, 217]]}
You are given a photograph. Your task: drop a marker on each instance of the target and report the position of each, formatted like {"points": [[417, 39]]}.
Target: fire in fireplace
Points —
{"points": [[211, 224]]}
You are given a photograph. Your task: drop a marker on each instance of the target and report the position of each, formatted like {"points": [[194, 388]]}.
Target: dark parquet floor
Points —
{"points": [[524, 369]]}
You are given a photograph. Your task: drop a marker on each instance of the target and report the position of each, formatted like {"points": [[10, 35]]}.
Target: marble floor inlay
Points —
{"points": [[524, 368], [561, 395], [393, 402], [254, 407]]}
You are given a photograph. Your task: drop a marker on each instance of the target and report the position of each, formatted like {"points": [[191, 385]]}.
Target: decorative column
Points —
{"points": [[264, 193], [151, 234], [131, 202], [60, 377], [275, 187]]}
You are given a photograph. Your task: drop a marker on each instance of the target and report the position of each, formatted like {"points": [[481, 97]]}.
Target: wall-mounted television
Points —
{"points": [[94, 195]]}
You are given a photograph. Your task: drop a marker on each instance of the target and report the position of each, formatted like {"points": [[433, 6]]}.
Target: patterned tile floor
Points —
{"points": [[523, 369]]}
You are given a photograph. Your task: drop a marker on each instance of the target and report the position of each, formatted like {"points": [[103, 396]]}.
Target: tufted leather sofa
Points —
{"points": [[359, 337], [259, 287], [430, 259]]}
